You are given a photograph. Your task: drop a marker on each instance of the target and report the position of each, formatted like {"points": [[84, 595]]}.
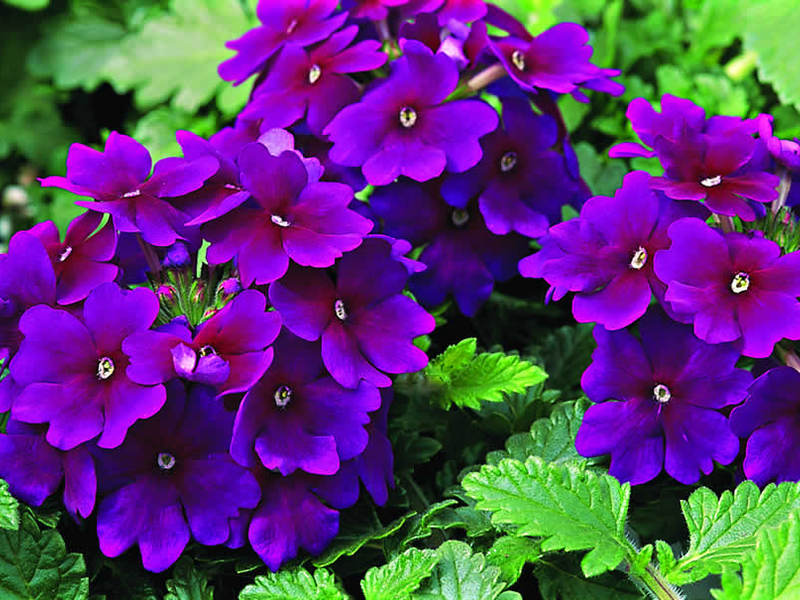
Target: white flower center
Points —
{"points": [[508, 161], [165, 461], [314, 73], [711, 181], [459, 217], [105, 368], [339, 310], [64, 254], [639, 258], [206, 351], [279, 221], [518, 59], [661, 394], [740, 283], [408, 117], [282, 396]]}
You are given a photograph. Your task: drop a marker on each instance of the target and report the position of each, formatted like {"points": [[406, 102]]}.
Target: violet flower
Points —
{"points": [[289, 217], [367, 325], [768, 419], [297, 417], [315, 81], [118, 181], [731, 286], [658, 401], [80, 262], [403, 126], [606, 254], [71, 373], [172, 479], [228, 351], [300, 22]]}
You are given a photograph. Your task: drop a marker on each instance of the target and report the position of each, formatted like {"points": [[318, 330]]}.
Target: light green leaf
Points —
{"points": [[465, 379], [34, 565], [294, 585], [460, 575], [9, 508], [572, 509], [176, 55], [156, 130], [403, 575], [722, 531], [511, 553], [772, 571], [187, 583], [28, 4]]}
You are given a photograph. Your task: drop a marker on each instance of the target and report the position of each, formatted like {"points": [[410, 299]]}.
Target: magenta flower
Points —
{"points": [[71, 373], [403, 126]]}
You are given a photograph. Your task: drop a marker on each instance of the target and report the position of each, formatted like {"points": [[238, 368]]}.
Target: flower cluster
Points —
{"points": [[723, 288]]}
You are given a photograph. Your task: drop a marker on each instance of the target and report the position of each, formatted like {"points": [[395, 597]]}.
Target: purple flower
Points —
{"points": [[229, 351], [297, 417], [172, 479], [768, 418], [289, 217], [289, 517], [376, 10], [26, 279], [462, 257], [403, 126], [118, 181], [34, 469], [301, 22], [314, 80], [72, 372], [80, 262], [731, 286], [520, 184], [658, 401], [367, 325], [606, 255]]}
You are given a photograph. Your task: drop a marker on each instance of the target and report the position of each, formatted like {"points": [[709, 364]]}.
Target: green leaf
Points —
{"points": [[562, 580], [772, 571], [403, 575], [572, 509], [9, 508], [176, 55], [511, 553], [767, 27], [294, 585], [34, 565], [28, 4], [460, 575], [156, 130], [465, 379], [187, 583], [722, 531]]}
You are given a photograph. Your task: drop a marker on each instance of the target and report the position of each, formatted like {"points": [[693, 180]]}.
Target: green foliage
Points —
{"points": [[187, 583], [9, 508], [511, 553], [293, 585], [34, 565], [465, 378], [28, 4], [570, 508], [460, 574], [723, 530], [771, 571], [400, 577]]}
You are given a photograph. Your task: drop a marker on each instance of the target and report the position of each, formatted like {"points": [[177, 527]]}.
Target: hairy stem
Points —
{"points": [[654, 583], [487, 76]]}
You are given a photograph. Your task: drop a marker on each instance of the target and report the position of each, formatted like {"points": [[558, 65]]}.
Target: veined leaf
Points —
{"points": [[400, 577]]}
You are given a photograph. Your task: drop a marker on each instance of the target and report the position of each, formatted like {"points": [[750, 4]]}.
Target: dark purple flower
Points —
{"points": [[172, 479], [464, 11], [769, 419], [520, 184], [118, 181], [298, 417], [658, 401], [72, 372], [80, 262], [785, 152], [26, 279], [34, 469], [376, 10], [289, 517], [606, 254], [314, 81], [229, 351], [731, 286], [289, 217], [301, 22], [366, 323], [714, 169], [403, 126]]}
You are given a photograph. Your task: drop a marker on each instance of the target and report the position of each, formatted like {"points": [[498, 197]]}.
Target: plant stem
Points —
{"points": [[487, 76], [783, 191], [150, 256], [656, 585]]}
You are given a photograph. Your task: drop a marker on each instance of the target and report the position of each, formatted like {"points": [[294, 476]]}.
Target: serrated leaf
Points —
{"points": [[403, 575], [187, 583], [9, 508], [570, 508], [460, 574], [767, 26], [465, 379], [511, 553], [722, 531], [772, 571], [34, 565], [294, 585], [176, 55]]}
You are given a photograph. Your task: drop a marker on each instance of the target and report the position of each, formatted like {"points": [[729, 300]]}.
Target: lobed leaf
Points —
{"points": [[187, 583], [460, 574], [400, 577]]}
